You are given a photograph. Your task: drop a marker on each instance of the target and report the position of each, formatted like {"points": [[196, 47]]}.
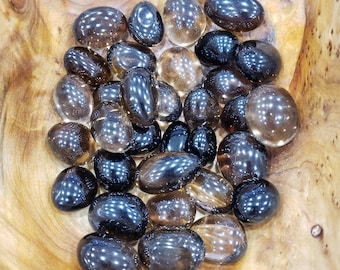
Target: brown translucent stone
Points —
{"points": [[71, 142], [224, 237], [176, 208], [100, 27]]}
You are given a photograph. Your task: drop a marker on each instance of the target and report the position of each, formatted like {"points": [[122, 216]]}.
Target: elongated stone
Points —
{"points": [[175, 137], [169, 249], [224, 237], [165, 172]]}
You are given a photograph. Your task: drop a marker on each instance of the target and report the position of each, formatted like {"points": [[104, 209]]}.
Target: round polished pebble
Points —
{"points": [[145, 24], [73, 99], [211, 192], [233, 116], [171, 248], [175, 137], [71, 142], [224, 238], [272, 115], [110, 127], [258, 60], [99, 27], [125, 55], [226, 83], [108, 92], [180, 67], [184, 21], [145, 140], [201, 107], [102, 251], [235, 16], [240, 156], [114, 171], [255, 201], [176, 208], [165, 172], [140, 95], [203, 143], [74, 188], [122, 214], [88, 65], [216, 48], [169, 103]]}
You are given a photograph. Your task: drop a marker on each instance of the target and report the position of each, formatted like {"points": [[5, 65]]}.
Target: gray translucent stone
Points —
{"points": [[165, 172], [170, 249], [224, 237], [169, 103]]}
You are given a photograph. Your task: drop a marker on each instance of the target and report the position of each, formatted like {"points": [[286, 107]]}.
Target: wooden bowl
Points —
{"points": [[305, 232]]}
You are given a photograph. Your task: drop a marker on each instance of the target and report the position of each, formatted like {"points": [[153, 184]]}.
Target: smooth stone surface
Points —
{"points": [[211, 192], [88, 65], [184, 21], [224, 238], [180, 67], [145, 24], [272, 115], [169, 103], [175, 137], [110, 127], [176, 208], [114, 171], [216, 48], [125, 55], [235, 16], [73, 99], [122, 214], [102, 251], [99, 27], [71, 142], [108, 92], [74, 188], [226, 83], [200, 107], [169, 249], [240, 157], [165, 172], [140, 95], [258, 60], [255, 201]]}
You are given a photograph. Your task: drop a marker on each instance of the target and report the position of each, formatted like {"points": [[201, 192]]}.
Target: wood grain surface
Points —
{"points": [[34, 235]]}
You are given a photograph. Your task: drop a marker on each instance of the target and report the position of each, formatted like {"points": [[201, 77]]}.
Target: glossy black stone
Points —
{"points": [[108, 92], [255, 201], [240, 157], [175, 137], [233, 116], [145, 140], [171, 248], [103, 251], [216, 48], [203, 143], [88, 65], [140, 95], [258, 60], [226, 83], [145, 24], [169, 103], [235, 16], [73, 189], [122, 214], [201, 107], [115, 171]]}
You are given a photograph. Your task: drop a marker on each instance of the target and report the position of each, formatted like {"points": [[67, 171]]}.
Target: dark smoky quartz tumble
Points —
{"points": [[175, 137], [108, 92]]}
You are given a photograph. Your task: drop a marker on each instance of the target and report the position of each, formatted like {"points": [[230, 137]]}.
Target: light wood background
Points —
{"points": [[33, 235]]}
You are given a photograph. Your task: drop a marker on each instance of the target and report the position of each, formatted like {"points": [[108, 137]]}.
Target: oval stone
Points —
{"points": [[165, 172], [175, 137], [169, 249], [224, 237], [108, 92], [99, 27], [169, 103], [103, 251], [235, 16]]}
